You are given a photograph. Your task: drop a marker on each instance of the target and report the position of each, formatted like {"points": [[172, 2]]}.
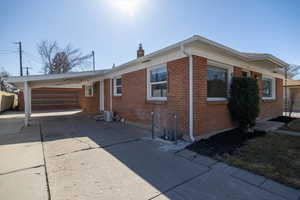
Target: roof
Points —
{"points": [[15, 79], [249, 57], [245, 56], [55, 79], [292, 83]]}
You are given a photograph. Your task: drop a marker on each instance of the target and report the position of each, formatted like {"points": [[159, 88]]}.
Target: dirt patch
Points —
{"points": [[274, 156], [293, 125]]}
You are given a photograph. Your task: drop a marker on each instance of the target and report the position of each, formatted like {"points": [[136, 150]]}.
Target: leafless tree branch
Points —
{"points": [[61, 60]]}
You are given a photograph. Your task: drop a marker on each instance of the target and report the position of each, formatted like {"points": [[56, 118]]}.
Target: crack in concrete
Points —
{"points": [[100, 147], [259, 186], [23, 169], [180, 184], [45, 163]]}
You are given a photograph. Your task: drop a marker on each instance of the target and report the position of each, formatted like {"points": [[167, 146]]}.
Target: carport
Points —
{"points": [[27, 83]]}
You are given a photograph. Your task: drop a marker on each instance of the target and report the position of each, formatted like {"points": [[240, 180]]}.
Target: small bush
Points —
{"points": [[244, 102]]}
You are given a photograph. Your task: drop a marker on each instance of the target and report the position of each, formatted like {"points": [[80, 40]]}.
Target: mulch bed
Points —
{"points": [[223, 143], [284, 119]]}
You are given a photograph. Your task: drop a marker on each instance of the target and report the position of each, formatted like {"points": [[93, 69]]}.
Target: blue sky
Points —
{"points": [[113, 28]]}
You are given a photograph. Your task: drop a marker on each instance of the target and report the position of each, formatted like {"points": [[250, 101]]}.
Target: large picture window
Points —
{"points": [[268, 88], [117, 86], [157, 83], [217, 82]]}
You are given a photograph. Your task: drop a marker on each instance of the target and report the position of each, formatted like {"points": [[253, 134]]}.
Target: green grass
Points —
{"points": [[274, 156]]}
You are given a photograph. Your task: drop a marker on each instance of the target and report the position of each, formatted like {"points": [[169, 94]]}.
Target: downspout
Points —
{"points": [[191, 118], [110, 95]]}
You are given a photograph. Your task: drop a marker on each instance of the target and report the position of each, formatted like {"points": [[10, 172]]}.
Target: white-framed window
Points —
{"points": [[118, 86], [269, 88], [89, 89], [157, 83], [245, 73], [218, 81]]}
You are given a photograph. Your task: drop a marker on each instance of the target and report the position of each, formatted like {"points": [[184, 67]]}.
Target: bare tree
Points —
{"points": [[61, 60], [292, 99], [293, 70], [3, 74]]}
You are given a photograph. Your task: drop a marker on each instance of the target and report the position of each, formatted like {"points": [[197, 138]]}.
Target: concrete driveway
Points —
{"points": [[74, 157]]}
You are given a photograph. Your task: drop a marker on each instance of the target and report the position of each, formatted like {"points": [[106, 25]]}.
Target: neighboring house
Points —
{"points": [[293, 94], [189, 79]]}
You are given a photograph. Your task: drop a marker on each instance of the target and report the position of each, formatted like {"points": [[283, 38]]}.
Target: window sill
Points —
{"points": [[216, 99], [268, 99], [156, 101], [220, 102]]}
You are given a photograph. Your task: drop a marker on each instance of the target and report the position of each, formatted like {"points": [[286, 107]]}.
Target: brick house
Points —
{"points": [[180, 81]]}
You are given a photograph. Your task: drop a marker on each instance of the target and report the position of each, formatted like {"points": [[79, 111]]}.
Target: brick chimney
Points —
{"points": [[140, 51]]}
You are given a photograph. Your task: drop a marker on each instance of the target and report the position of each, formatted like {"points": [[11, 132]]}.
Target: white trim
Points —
{"points": [[101, 93], [247, 71], [216, 99], [16, 79], [191, 94], [115, 86], [229, 69], [149, 84], [210, 54], [273, 82], [110, 95], [27, 102], [191, 100]]}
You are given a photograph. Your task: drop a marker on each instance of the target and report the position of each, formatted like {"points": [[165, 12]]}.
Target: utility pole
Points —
{"points": [[286, 103], [27, 70], [20, 57], [93, 54]]}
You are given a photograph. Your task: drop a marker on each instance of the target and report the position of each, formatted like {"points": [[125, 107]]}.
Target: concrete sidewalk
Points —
{"points": [[97, 160], [85, 159], [22, 169]]}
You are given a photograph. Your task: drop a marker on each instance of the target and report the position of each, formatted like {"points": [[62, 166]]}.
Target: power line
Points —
{"points": [[8, 52], [33, 58]]}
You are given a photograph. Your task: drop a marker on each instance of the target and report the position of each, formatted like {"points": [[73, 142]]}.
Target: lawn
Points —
{"points": [[274, 156], [292, 124]]}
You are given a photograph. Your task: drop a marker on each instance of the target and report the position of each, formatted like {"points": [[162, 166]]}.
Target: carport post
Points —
{"points": [[110, 95], [27, 102]]}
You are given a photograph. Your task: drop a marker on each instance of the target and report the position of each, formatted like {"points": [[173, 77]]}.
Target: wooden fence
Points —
{"points": [[8, 101]]}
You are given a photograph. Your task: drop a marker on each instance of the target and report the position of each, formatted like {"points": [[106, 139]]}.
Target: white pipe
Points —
{"points": [[101, 95], [26, 103], [191, 118], [110, 95], [29, 100]]}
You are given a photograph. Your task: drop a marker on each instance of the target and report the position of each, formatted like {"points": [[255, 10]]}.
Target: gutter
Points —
{"points": [[191, 118]]}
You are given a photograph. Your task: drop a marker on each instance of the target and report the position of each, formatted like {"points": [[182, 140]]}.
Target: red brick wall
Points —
{"points": [[106, 94], [209, 117], [273, 108], [134, 106], [90, 104]]}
